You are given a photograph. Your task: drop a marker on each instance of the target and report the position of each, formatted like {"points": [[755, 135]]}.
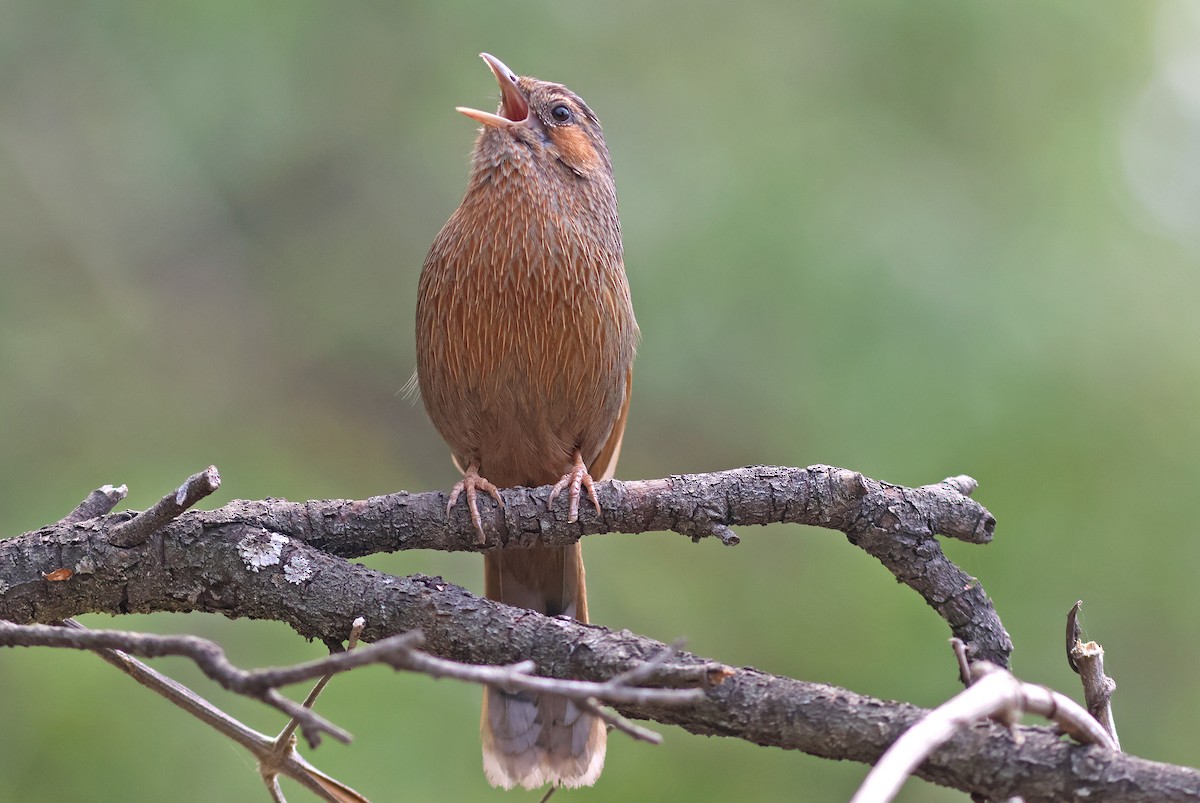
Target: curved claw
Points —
{"points": [[577, 478], [472, 483]]}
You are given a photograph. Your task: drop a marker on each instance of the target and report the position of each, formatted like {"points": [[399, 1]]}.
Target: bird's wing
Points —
{"points": [[605, 464]]}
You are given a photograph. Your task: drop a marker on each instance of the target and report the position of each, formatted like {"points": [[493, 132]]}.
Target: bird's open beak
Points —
{"points": [[514, 109]]}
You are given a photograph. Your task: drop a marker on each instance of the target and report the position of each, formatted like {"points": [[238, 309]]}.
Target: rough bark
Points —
{"points": [[280, 560]]}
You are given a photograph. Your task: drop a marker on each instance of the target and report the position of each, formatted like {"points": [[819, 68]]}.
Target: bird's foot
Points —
{"points": [[575, 479], [472, 483]]}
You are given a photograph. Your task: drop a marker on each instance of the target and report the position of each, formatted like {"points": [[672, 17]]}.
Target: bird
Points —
{"points": [[525, 345]]}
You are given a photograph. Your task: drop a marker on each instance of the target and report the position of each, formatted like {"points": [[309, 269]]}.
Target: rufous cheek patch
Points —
{"points": [[575, 148]]}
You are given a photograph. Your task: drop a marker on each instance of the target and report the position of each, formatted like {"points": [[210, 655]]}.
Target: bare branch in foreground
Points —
{"points": [[208, 656], [289, 730], [398, 651], [260, 745], [1087, 659], [277, 756], [995, 693], [275, 762]]}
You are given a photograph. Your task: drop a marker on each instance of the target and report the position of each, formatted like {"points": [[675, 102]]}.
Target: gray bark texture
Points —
{"points": [[286, 561]]}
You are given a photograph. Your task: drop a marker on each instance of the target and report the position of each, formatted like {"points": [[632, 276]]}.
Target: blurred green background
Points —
{"points": [[913, 239]]}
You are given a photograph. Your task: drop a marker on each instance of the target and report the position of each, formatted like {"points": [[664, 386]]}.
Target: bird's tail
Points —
{"points": [[530, 740]]}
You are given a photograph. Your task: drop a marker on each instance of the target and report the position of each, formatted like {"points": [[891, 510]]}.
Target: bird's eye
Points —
{"points": [[561, 113]]}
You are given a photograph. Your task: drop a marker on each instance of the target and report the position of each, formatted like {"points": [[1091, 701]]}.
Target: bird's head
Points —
{"points": [[541, 122]]}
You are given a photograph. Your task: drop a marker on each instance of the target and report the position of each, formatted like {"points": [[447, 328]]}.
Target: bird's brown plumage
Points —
{"points": [[525, 346]]}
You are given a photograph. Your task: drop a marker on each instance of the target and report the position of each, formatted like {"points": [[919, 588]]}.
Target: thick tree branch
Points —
{"points": [[895, 524], [244, 561]]}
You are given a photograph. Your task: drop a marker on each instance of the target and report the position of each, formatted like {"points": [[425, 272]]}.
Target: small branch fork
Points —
{"points": [[278, 759], [276, 755]]}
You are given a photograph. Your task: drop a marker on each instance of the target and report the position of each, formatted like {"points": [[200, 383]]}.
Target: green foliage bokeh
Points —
{"points": [[913, 239]]}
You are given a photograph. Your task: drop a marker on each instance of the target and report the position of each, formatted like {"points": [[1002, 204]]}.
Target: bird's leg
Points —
{"points": [[577, 477], [472, 483]]}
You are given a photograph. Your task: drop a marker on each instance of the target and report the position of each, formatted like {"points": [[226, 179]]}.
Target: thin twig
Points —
{"points": [[1074, 631], [99, 502], [289, 730], [516, 678], [294, 766], [1087, 659], [208, 656], [283, 750], [272, 765], [962, 654], [277, 756], [627, 726], [640, 674], [138, 529], [396, 651], [645, 670]]}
